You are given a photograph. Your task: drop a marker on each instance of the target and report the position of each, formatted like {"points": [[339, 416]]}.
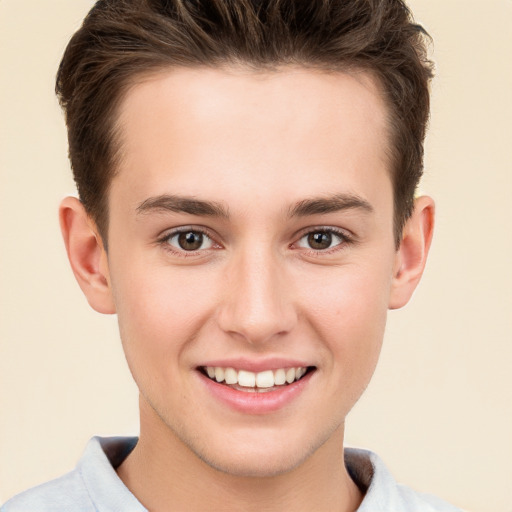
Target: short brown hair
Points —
{"points": [[121, 40]]}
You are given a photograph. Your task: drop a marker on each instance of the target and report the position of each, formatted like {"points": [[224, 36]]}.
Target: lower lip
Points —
{"points": [[256, 402]]}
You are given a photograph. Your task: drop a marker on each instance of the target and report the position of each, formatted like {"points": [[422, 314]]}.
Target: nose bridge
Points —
{"points": [[257, 303]]}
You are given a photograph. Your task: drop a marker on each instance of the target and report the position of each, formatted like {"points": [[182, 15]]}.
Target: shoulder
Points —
{"points": [[383, 493], [65, 494], [423, 502], [93, 485]]}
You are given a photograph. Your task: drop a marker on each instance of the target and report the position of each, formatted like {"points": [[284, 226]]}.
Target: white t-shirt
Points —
{"points": [[93, 486]]}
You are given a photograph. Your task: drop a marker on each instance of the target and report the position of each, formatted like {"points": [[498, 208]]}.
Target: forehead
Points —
{"points": [[251, 131]]}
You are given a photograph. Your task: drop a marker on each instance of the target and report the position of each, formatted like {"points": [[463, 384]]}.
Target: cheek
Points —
{"points": [[348, 310], [160, 312], [349, 296]]}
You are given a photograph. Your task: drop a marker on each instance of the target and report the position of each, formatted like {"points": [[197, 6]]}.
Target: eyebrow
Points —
{"points": [[183, 204], [200, 207], [330, 204]]}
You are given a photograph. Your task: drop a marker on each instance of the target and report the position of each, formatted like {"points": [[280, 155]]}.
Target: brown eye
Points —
{"points": [[320, 240], [190, 240]]}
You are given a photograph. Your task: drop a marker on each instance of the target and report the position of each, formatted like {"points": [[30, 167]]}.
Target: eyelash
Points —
{"points": [[345, 240], [164, 241]]}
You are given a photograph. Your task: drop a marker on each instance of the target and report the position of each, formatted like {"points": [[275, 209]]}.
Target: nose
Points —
{"points": [[258, 299]]}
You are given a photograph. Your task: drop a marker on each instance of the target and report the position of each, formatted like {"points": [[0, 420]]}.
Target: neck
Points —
{"points": [[164, 475]]}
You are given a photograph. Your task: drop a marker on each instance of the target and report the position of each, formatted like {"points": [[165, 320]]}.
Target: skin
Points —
{"points": [[256, 144]]}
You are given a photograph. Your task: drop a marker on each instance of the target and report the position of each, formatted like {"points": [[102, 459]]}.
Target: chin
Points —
{"points": [[262, 455], [257, 464]]}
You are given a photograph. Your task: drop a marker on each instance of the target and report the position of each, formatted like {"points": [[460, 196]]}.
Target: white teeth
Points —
{"points": [[264, 380], [246, 379], [219, 374], [230, 376], [279, 377]]}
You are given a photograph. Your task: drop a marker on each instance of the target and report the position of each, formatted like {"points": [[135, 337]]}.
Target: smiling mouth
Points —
{"points": [[255, 382]]}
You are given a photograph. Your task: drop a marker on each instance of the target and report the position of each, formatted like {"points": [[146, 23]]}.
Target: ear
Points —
{"points": [[86, 254], [412, 254]]}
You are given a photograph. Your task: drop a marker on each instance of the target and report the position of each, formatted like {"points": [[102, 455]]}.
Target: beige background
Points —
{"points": [[439, 410]]}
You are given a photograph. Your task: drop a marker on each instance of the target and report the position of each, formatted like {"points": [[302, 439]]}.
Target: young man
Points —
{"points": [[246, 172]]}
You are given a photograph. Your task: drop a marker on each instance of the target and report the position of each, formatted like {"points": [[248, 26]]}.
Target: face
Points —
{"points": [[251, 238]]}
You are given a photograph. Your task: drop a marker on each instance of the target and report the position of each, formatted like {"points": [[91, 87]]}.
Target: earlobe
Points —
{"points": [[86, 255], [412, 255]]}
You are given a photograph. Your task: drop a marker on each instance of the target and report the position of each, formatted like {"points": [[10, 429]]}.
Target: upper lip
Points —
{"points": [[256, 365]]}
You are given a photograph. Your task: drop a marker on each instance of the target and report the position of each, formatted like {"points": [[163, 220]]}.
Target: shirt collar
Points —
{"points": [[109, 494]]}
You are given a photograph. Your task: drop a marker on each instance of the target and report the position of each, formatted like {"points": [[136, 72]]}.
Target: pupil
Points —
{"points": [[320, 240], [190, 241]]}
